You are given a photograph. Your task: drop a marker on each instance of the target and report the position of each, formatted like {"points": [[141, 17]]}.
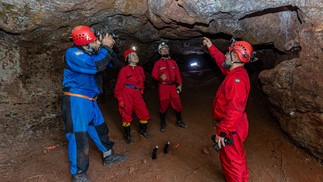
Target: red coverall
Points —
{"points": [[167, 89], [229, 108], [129, 90]]}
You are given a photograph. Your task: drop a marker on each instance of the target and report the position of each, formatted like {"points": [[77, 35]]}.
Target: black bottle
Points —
{"points": [[166, 147], [154, 155]]}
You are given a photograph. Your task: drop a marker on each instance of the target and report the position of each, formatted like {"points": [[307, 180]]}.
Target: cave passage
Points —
{"points": [[191, 150], [284, 108]]}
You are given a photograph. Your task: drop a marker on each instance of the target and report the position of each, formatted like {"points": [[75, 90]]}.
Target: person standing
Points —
{"points": [[84, 63], [128, 91], [167, 73], [229, 106]]}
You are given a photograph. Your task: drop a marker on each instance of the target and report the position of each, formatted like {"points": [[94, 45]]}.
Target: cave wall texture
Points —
{"points": [[34, 36]]}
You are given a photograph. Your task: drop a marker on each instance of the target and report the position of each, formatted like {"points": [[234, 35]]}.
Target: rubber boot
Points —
{"points": [[113, 158], [162, 122], [127, 135], [143, 130], [179, 120]]}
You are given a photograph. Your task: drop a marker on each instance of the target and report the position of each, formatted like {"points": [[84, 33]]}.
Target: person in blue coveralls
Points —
{"points": [[84, 63]]}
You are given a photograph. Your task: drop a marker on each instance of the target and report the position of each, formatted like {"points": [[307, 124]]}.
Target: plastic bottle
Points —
{"points": [[166, 147], [154, 155]]}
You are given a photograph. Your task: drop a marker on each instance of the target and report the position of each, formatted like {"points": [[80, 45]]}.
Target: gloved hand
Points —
{"points": [[179, 89], [120, 103]]}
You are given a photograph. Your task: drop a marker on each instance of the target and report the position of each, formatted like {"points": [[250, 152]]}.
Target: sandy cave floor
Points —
{"points": [[271, 155]]}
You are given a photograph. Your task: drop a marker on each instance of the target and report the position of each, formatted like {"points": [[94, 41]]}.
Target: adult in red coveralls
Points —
{"points": [[229, 107], [166, 72], [128, 91]]}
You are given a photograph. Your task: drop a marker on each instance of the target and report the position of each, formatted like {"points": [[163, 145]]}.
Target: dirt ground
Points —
{"points": [[270, 154]]}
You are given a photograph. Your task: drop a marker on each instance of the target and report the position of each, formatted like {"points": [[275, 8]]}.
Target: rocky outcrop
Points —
{"points": [[29, 96], [295, 90], [34, 36]]}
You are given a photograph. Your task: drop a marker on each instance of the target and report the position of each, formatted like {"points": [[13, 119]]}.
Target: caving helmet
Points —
{"points": [[83, 35], [162, 45], [243, 49], [127, 53]]}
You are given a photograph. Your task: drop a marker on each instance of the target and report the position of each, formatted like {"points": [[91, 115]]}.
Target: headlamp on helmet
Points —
{"points": [[162, 45], [126, 54]]}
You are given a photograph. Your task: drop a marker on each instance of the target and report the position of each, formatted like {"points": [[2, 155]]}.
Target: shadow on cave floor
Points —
{"points": [[270, 154]]}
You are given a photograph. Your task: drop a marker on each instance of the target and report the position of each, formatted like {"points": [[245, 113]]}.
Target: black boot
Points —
{"points": [[162, 122], [127, 135], [143, 130], [179, 120]]}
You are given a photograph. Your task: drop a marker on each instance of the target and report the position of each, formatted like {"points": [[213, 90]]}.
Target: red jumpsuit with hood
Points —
{"points": [[167, 89], [129, 90], [229, 109]]}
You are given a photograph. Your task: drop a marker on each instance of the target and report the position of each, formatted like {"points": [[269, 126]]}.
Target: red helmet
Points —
{"points": [[243, 49], [82, 35], [127, 52]]}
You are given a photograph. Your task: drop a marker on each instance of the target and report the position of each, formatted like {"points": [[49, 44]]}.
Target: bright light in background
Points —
{"points": [[134, 48], [194, 64]]}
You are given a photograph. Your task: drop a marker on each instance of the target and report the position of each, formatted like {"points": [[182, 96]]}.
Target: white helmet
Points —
{"points": [[162, 45]]}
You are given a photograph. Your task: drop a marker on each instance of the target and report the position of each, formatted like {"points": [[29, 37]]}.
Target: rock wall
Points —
{"points": [[29, 93], [295, 91], [34, 36]]}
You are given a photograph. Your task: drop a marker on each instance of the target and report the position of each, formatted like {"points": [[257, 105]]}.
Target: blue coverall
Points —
{"points": [[81, 85]]}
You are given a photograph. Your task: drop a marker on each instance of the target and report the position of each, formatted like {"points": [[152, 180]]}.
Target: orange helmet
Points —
{"points": [[243, 49], [82, 35], [127, 52]]}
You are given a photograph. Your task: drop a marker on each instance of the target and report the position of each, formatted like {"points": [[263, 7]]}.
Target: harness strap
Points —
{"points": [[131, 86], [168, 83], [79, 95]]}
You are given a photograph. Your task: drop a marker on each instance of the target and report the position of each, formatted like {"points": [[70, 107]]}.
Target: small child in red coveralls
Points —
{"points": [[128, 91]]}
